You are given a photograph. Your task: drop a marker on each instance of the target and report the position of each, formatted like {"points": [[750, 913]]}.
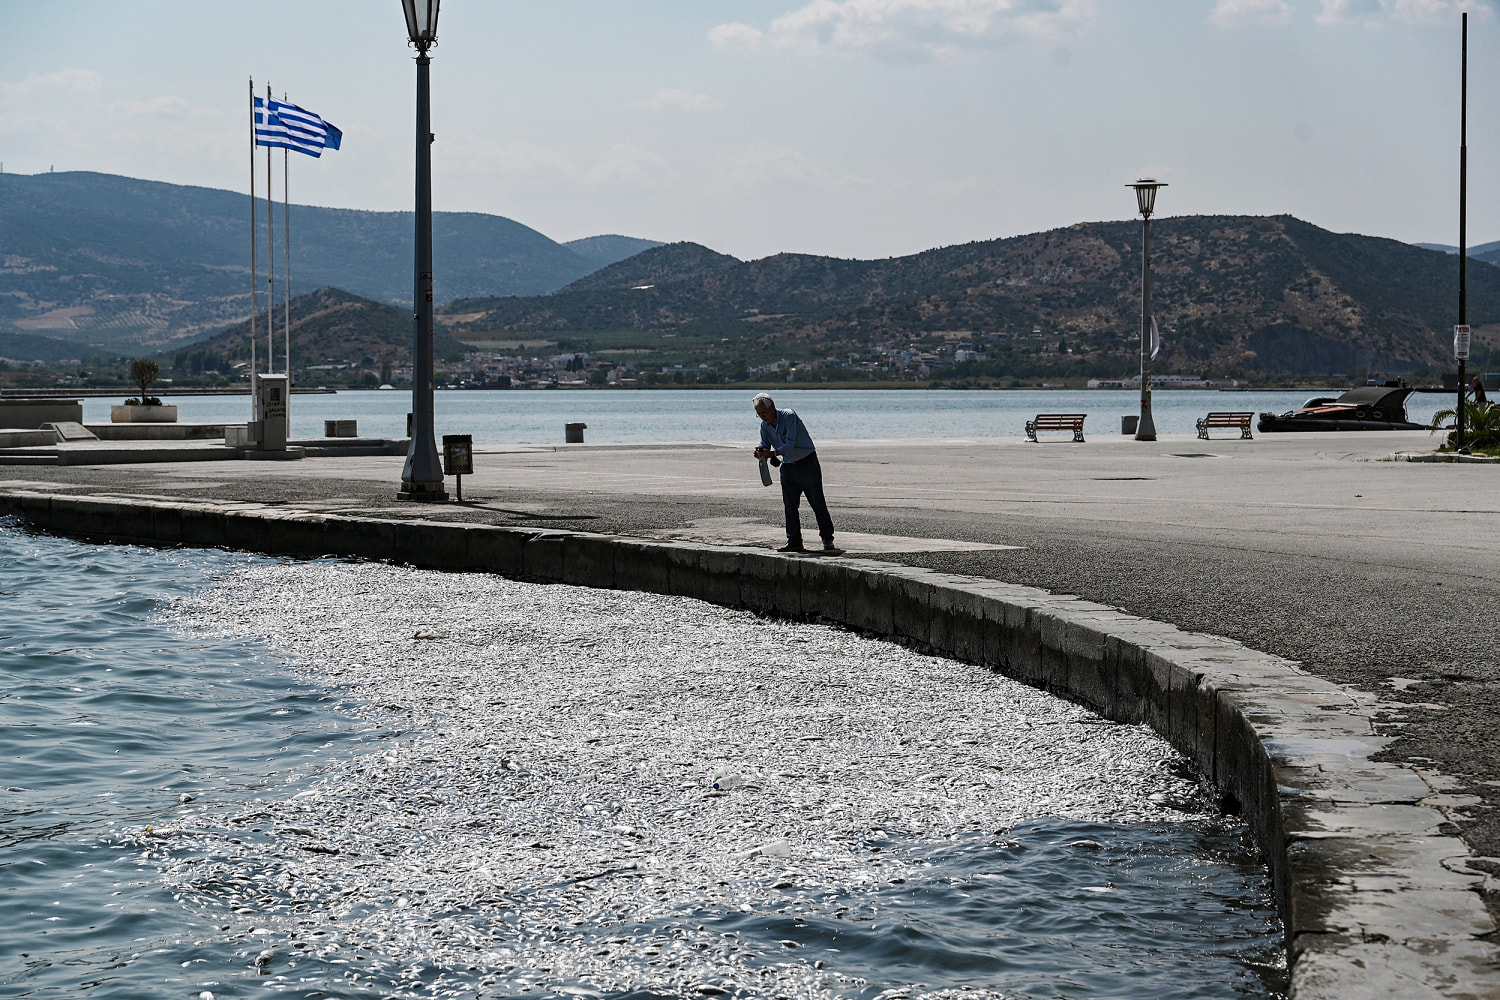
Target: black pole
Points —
{"points": [[1146, 428], [1463, 243], [422, 477]]}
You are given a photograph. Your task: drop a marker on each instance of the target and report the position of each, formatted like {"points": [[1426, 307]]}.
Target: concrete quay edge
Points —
{"points": [[1373, 887]]}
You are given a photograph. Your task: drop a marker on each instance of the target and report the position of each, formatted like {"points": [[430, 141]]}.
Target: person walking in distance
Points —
{"points": [[783, 436]]}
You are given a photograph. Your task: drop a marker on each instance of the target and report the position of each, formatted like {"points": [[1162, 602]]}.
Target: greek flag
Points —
{"points": [[287, 126]]}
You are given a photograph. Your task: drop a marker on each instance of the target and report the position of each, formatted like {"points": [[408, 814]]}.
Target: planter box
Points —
{"points": [[143, 414]]}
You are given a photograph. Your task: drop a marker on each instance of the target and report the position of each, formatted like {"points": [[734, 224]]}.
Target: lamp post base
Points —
{"points": [[423, 493], [1145, 430]]}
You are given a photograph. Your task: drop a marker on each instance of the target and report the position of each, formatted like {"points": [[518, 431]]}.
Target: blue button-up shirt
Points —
{"points": [[788, 436]]}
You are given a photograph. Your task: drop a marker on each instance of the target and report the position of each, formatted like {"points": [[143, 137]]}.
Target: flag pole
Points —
{"points": [[286, 236], [254, 278], [270, 255]]}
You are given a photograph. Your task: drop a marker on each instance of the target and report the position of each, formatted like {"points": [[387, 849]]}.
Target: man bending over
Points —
{"points": [[783, 436]]}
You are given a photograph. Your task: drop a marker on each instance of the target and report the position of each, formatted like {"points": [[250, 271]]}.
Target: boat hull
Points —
{"points": [[1280, 424]]}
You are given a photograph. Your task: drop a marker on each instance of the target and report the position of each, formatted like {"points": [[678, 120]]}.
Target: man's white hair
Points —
{"points": [[763, 397]]}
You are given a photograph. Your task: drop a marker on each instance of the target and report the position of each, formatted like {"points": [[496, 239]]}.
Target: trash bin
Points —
{"points": [[573, 433], [1129, 424]]}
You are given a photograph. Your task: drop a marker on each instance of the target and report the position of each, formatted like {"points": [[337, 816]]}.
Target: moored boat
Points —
{"points": [[1366, 408]]}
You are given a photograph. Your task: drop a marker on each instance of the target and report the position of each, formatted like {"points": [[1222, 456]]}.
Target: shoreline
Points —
{"points": [[1294, 753], [1385, 877]]}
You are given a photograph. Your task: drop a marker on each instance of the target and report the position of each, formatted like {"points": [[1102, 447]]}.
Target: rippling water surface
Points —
{"points": [[406, 784]]}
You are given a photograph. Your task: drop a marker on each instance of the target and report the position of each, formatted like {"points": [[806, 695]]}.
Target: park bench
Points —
{"points": [[1225, 420], [1056, 422]]}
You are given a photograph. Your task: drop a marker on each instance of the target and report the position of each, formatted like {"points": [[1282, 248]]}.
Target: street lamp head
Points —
{"points": [[1145, 192], [421, 23]]}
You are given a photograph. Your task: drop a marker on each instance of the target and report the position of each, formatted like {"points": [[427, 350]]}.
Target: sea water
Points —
{"points": [[501, 417], [251, 777]]}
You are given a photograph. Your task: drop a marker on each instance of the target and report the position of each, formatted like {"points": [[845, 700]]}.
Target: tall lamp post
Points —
{"points": [[1461, 331], [1145, 199], [422, 477]]}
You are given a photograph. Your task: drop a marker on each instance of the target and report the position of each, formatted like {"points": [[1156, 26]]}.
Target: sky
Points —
{"points": [[854, 128]]}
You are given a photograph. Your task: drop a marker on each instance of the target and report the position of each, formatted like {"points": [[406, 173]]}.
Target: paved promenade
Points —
{"points": [[1383, 576]]}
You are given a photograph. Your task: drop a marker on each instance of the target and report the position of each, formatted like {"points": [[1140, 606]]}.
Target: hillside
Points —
{"points": [[1230, 292], [328, 326], [116, 261], [1487, 252], [601, 251], [26, 348]]}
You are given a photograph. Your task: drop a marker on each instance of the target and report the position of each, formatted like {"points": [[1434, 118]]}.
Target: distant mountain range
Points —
{"points": [[117, 262], [329, 326], [1232, 293], [1487, 252], [97, 264]]}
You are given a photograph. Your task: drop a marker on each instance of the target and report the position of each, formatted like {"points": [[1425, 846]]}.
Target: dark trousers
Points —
{"points": [[804, 477]]}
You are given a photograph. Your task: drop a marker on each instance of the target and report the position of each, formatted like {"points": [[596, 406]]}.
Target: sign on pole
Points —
{"points": [[1461, 343]]}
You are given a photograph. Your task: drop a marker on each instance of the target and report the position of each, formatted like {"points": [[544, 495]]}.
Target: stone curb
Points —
{"points": [[1443, 458], [1373, 886]]}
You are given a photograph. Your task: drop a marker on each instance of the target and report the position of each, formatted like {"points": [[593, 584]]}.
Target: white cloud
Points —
{"points": [[1372, 12], [628, 165], [32, 102], [157, 107], [761, 161], [667, 98], [1234, 13], [734, 35], [63, 80], [911, 28]]}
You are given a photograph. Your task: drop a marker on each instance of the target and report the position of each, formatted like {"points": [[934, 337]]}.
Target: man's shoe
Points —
{"points": [[792, 547], [828, 545]]}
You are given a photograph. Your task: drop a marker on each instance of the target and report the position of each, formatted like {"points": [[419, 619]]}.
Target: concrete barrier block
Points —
{"points": [[359, 538], [445, 545], [1244, 769], [201, 526], [772, 584], [1011, 644], [136, 521], [1190, 709], [642, 566], [498, 550], [956, 622], [34, 508], [542, 557], [85, 516], [1051, 670], [722, 570], [1138, 697], [995, 640], [685, 573], [589, 560], [823, 584], [166, 525], [869, 602], [911, 606], [1091, 672], [246, 530], [295, 535]]}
